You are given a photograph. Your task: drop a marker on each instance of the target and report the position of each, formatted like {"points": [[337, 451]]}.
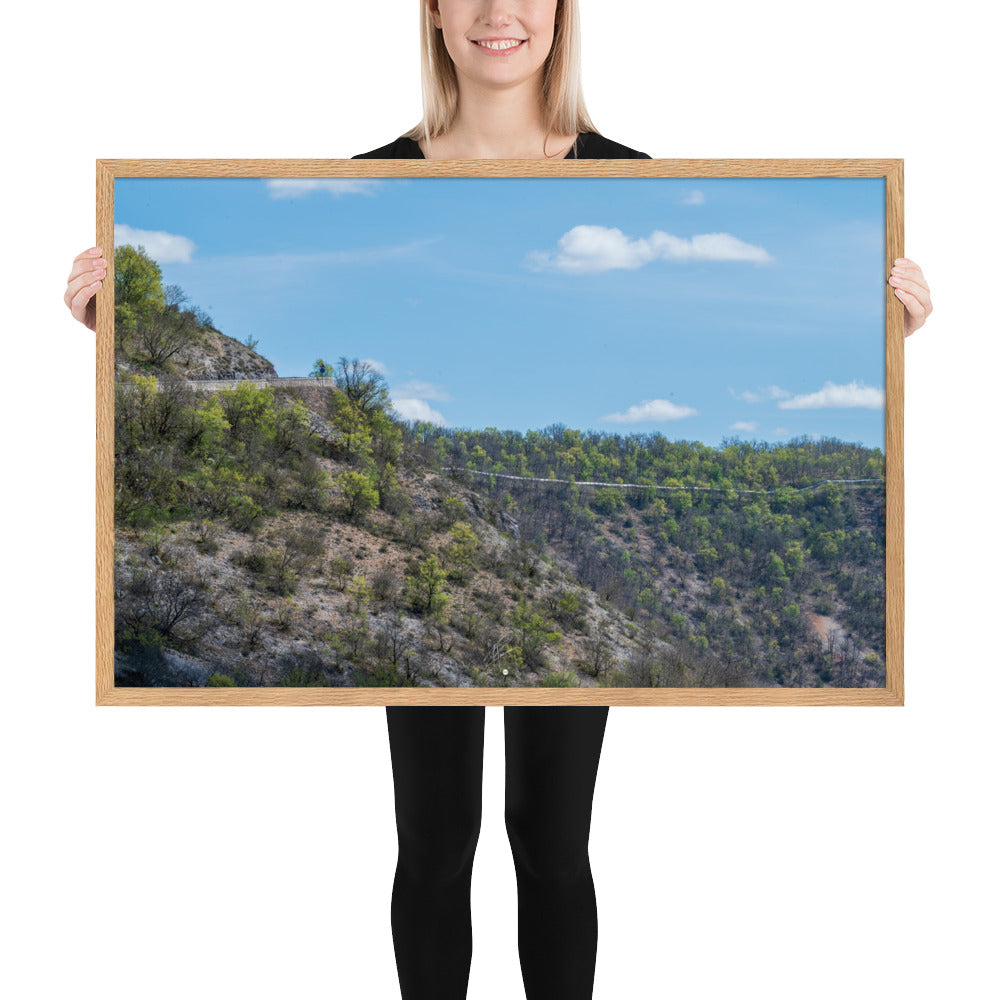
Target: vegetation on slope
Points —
{"points": [[275, 536]]}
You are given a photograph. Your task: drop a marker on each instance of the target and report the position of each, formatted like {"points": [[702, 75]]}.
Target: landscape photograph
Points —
{"points": [[524, 432]]}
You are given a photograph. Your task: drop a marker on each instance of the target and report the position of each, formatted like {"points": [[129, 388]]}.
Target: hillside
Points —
{"points": [[284, 536], [204, 353], [296, 532]]}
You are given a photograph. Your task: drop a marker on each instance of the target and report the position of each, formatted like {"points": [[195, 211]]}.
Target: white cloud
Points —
{"points": [[590, 249], [282, 187], [770, 392], [651, 409], [417, 409], [410, 401], [744, 425], [164, 248], [832, 396], [694, 197], [423, 390], [377, 365], [781, 432]]}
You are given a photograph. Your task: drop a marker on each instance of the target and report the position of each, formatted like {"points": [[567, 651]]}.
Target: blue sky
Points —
{"points": [[702, 309]]}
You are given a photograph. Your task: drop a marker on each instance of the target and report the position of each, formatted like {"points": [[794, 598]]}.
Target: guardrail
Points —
{"points": [[629, 488], [228, 383], [296, 380], [632, 488]]}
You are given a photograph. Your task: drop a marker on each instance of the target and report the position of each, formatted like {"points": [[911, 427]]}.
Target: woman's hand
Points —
{"points": [[89, 269], [910, 286]]}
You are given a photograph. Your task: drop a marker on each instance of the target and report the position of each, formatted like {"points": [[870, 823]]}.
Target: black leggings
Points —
{"points": [[552, 753]]}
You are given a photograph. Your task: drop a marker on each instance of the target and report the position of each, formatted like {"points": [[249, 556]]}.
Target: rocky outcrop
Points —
{"points": [[478, 507], [217, 356]]}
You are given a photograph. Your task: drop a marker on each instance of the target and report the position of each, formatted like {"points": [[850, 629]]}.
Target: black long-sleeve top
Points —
{"points": [[588, 146]]}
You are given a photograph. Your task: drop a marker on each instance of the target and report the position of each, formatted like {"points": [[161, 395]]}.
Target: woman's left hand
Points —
{"points": [[910, 286]]}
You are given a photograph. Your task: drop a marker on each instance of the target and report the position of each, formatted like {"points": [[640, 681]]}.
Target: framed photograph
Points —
{"points": [[381, 432]]}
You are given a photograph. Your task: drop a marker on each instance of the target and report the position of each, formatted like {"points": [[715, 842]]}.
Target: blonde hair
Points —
{"points": [[564, 110]]}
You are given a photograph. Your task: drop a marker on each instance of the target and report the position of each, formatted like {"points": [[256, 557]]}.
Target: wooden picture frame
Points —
{"points": [[888, 173]]}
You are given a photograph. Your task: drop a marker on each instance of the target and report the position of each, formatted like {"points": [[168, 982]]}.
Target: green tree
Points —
{"points": [[776, 568], [426, 588], [248, 408], [386, 437], [289, 430], [321, 369], [160, 333], [359, 493], [607, 500], [362, 384], [679, 500], [341, 566], [350, 420], [138, 279], [452, 509], [207, 429], [534, 631], [794, 557], [462, 549], [360, 592]]}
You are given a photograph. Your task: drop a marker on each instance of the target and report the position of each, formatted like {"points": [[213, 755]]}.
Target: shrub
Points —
{"points": [[425, 589], [452, 509], [394, 501], [385, 584], [341, 568], [303, 668], [274, 567], [607, 500], [559, 678], [360, 592], [244, 513], [312, 489], [142, 642], [360, 496], [302, 675], [206, 536], [461, 551], [570, 610]]}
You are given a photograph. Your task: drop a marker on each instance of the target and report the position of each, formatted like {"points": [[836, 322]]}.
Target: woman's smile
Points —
{"points": [[498, 46]]}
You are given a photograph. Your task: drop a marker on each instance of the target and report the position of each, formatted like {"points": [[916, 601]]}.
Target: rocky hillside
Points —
{"points": [[301, 535], [208, 354]]}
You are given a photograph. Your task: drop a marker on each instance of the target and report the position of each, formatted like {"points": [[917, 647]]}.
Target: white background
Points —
{"points": [[779, 853]]}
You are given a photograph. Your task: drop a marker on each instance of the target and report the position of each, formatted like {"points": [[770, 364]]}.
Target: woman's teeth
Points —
{"points": [[500, 45]]}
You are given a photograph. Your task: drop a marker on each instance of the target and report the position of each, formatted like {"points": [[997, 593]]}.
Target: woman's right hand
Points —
{"points": [[85, 277]]}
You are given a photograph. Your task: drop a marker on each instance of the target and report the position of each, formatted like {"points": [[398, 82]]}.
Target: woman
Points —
{"points": [[501, 79]]}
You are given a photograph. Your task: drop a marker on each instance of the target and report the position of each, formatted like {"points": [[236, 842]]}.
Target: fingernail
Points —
{"points": [[94, 250]]}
